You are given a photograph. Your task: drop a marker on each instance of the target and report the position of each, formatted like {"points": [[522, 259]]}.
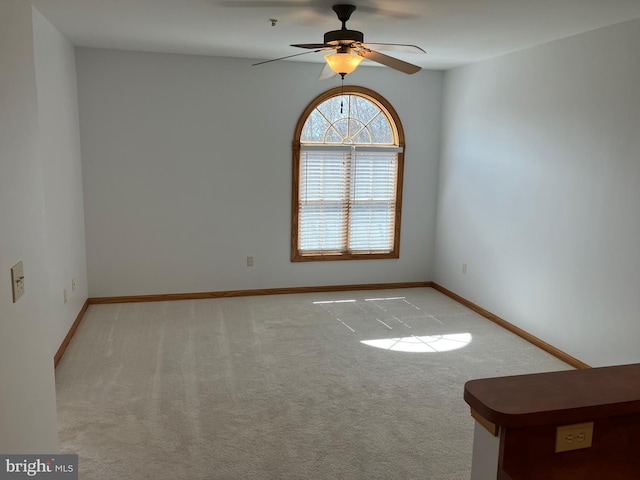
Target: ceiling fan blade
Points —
{"points": [[288, 56], [264, 4], [326, 72], [312, 46], [385, 13], [317, 5], [394, 47], [395, 63]]}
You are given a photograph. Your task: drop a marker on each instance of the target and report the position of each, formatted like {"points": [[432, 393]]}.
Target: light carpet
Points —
{"points": [[281, 387]]}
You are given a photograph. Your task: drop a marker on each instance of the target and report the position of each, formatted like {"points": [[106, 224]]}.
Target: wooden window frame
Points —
{"points": [[396, 126]]}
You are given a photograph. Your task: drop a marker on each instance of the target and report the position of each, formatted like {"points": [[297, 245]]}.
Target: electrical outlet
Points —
{"points": [[249, 261], [73, 284], [574, 437], [17, 281]]}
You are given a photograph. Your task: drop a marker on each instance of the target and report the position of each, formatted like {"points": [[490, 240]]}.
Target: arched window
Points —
{"points": [[348, 157]]}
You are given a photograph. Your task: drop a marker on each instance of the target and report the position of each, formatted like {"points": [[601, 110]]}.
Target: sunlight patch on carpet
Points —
{"points": [[323, 302], [424, 344]]}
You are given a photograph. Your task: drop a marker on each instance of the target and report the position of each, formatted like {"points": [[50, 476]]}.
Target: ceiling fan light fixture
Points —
{"points": [[343, 63]]}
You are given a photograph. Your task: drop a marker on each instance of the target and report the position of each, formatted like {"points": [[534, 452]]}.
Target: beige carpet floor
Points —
{"points": [[349, 385]]}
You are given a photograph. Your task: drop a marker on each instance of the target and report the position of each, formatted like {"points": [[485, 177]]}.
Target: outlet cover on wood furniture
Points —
{"points": [[574, 437]]}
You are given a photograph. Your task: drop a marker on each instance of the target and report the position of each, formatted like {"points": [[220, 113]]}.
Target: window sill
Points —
{"points": [[318, 257]]}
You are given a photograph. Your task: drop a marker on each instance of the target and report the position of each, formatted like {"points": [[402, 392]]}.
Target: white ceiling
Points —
{"points": [[453, 32]]}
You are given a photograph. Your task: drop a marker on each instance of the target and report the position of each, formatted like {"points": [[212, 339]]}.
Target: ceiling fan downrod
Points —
{"points": [[344, 35], [344, 13]]}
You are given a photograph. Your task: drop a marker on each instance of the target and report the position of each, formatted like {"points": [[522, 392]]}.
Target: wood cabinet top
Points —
{"points": [[557, 398]]}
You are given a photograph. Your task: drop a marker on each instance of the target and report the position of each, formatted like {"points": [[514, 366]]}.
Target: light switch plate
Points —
{"points": [[17, 281]]}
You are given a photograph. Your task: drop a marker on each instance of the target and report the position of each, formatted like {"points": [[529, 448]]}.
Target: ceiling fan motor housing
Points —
{"points": [[341, 37]]}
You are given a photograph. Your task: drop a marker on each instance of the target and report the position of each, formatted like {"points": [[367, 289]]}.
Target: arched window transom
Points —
{"points": [[348, 119]]}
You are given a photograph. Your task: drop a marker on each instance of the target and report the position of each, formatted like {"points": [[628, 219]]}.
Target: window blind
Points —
{"points": [[347, 199]]}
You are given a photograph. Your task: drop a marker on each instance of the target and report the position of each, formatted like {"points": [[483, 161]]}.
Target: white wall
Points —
{"points": [[59, 147], [27, 393], [187, 171], [539, 191]]}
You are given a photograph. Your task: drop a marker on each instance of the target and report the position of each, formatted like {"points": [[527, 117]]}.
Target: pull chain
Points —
{"points": [[342, 94]]}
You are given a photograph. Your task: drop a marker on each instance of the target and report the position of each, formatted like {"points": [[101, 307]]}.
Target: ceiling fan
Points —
{"points": [[349, 49]]}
